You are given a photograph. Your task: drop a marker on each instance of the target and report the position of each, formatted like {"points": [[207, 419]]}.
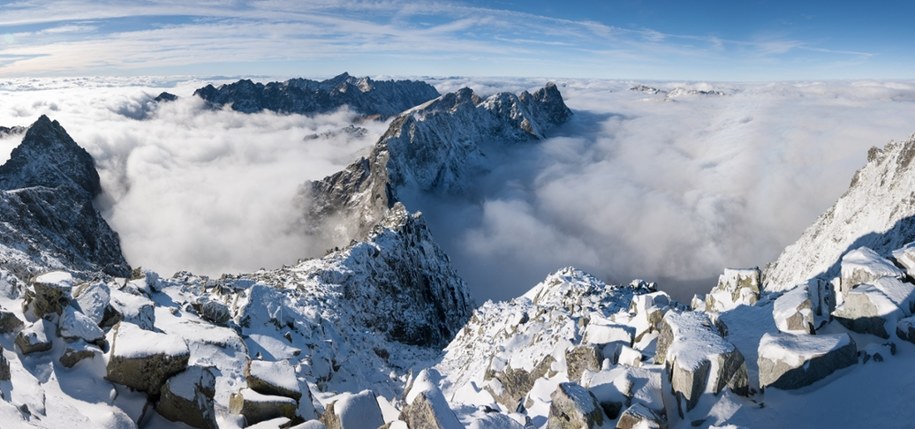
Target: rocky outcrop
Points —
{"points": [[437, 147], [188, 398], [353, 411], [46, 192], [697, 358], [144, 360], [303, 96], [573, 407], [789, 361]]}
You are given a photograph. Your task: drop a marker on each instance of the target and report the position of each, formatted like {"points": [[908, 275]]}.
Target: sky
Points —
{"points": [[620, 39]]}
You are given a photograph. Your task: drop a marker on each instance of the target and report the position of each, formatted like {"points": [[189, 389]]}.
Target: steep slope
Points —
{"points": [[46, 192], [877, 211], [304, 96], [436, 147]]}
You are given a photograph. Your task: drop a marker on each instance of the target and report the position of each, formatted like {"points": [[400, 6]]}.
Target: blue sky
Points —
{"points": [[616, 39]]}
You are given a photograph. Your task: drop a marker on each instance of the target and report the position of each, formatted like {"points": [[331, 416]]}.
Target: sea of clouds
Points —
{"points": [[636, 185]]}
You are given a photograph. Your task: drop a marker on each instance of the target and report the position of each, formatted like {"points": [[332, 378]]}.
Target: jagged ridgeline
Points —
{"points": [[435, 147], [303, 96]]}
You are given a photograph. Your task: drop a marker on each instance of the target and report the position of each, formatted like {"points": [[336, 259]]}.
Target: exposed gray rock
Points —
{"points": [[4, 367], [789, 361], [353, 411], [47, 294], [273, 378], [9, 323], [574, 407], [144, 360], [34, 338], [77, 352], [876, 308], [735, 287], [256, 407], [514, 384], [580, 358], [215, 312], [690, 347], [639, 416], [426, 405], [188, 397]]}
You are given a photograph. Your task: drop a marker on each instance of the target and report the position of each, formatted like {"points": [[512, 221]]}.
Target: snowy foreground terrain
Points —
{"points": [[382, 330]]}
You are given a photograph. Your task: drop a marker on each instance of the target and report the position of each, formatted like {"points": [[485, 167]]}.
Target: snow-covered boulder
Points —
{"points": [[600, 333], [698, 359], [188, 397], [34, 338], [77, 352], [273, 378], [735, 287], [73, 324], [256, 407], [905, 329], [905, 256], [94, 301], [581, 358], [788, 361], [510, 385], [9, 323], [143, 359], [793, 312], [619, 387], [863, 265], [574, 407], [353, 411], [214, 311], [649, 309], [426, 405], [639, 416], [876, 308], [136, 309], [48, 293]]}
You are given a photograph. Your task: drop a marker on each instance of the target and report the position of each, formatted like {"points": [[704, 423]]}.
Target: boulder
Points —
{"points": [[597, 333], [214, 312], [789, 361], [94, 301], [74, 325], [4, 367], [793, 312], [905, 329], [611, 387], [573, 407], [735, 287], [188, 397], [648, 310], [256, 407], [875, 308], [9, 323], [77, 352], [136, 309], [510, 385], [698, 359], [353, 411], [426, 405], [863, 265], [639, 416], [34, 338], [273, 378], [580, 358], [143, 360], [48, 293]]}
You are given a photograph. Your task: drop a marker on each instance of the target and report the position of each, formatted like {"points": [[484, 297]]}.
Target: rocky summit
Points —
{"points": [[303, 96]]}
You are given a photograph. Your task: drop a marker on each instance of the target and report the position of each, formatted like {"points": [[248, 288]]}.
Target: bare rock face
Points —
{"points": [[574, 407], [789, 361], [353, 411], [698, 358], [144, 360], [256, 407], [188, 398]]}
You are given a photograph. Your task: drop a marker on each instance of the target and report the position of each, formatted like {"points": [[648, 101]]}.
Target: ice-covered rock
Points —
{"points": [[73, 324], [353, 411], [188, 397], [698, 359], [863, 265], [34, 338], [273, 378], [793, 312], [875, 308], [426, 405], [735, 287], [574, 407], [639, 416], [581, 358], [256, 407], [9, 323], [788, 361], [144, 360]]}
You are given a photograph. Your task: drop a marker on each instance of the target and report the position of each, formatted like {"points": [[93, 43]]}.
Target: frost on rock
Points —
{"points": [[144, 360], [573, 407], [875, 308], [735, 287], [353, 411], [698, 359], [788, 361]]}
